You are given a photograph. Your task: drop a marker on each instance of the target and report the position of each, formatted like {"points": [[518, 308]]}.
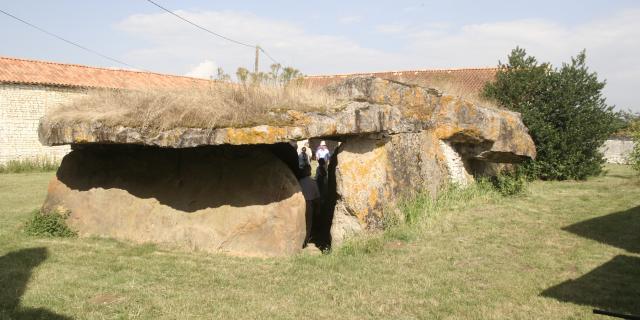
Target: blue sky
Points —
{"points": [[326, 37]]}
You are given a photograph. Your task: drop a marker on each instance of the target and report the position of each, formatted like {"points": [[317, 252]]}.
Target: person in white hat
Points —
{"points": [[323, 152]]}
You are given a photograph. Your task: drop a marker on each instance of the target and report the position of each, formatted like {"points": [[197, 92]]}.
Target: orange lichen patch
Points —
{"points": [[365, 176], [255, 135], [331, 129], [446, 100], [298, 117], [373, 199], [416, 98]]}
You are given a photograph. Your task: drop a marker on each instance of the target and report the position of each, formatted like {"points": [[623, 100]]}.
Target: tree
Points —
{"points": [[274, 75], [564, 109], [222, 76], [243, 75], [290, 74]]}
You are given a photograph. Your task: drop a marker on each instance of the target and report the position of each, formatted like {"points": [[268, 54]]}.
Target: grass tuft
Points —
{"points": [[29, 165]]}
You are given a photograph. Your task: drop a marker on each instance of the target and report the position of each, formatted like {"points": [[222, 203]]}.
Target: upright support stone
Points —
{"points": [[237, 200]]}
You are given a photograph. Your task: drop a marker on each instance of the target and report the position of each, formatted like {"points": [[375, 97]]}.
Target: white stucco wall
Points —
{"points": [[617, 150], [21, 107]]}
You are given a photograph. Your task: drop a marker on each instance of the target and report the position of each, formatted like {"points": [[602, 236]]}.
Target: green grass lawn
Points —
{"points": [[557, 252]]}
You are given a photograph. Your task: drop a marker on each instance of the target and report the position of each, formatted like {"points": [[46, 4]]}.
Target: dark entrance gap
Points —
{"points": [[321, 230], [321, 225]]}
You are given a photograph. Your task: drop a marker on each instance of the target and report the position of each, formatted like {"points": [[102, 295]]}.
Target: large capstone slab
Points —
{"points": [[237, 200]]}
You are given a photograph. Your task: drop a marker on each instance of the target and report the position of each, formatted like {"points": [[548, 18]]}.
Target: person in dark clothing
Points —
{"points": [[312, 197], [321, 178]]}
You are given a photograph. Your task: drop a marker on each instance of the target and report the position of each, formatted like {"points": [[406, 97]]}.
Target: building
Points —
{"points": [[29, 88]]}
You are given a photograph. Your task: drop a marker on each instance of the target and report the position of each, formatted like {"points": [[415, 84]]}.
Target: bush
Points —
{"points": [[29, 165], [564, 110], [634, 156], [510, 183], [51, 224]]}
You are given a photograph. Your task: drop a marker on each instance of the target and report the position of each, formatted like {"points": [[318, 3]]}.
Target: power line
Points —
{"points": [[200, 27], [265, 53], [69, 41], [211, 32]]}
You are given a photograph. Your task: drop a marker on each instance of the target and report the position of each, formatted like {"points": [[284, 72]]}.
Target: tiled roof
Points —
{"points": [[23, 71], [471, 80]]}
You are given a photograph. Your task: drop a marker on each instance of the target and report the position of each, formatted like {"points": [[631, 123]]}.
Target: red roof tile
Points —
{"points": [[23, 71]]}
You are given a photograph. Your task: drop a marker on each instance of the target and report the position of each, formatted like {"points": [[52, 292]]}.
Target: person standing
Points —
{"points": [[312, 198], [322, 179], [303, 158], [323, 152]]}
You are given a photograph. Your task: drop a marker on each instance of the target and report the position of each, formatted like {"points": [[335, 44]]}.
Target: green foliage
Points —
{"points": [[29, 165], [564, 109], [510, 182], [277, 76], [634, 157], [51, 224], [626, 122]]}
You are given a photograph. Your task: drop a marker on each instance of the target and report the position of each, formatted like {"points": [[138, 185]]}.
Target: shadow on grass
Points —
{"points": [[620, 229], [15, 271], [613, 286]]}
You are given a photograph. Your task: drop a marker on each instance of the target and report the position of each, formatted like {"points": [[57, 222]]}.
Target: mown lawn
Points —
{"points": [[557, 252]]}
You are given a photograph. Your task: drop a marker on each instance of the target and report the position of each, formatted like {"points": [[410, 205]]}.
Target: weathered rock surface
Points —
{"points": [[239, 201], [397, 140], [375, 106]]}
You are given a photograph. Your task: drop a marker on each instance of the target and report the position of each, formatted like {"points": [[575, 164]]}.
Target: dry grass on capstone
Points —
{"points": [[220, 105]]}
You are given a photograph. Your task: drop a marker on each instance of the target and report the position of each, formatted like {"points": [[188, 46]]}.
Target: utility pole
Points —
{"points": [[255, 68]]}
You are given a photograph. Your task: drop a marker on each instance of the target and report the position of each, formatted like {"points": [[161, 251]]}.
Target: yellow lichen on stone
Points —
{"points": [[365, 176], [255, 135]]}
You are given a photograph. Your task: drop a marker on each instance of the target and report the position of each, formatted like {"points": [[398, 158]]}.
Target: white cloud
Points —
{"points": [[611, 44], [205, 69], [391, 28], [350, 19], [174, 46]]}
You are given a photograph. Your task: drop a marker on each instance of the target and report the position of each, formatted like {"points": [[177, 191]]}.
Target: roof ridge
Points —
{"points": [[100, 68], [400, 71]]}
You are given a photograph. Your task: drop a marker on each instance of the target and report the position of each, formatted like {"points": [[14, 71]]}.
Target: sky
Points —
{"points": [[329, 37]]}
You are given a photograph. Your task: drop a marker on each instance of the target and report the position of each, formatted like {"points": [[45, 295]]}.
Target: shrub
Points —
{"points": [[634, 156], [29, 165], [564, 110], [51, 224], [510, 183]]}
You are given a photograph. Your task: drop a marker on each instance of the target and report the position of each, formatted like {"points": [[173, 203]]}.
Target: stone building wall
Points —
{"points": [[21, 107], [617, 150]]}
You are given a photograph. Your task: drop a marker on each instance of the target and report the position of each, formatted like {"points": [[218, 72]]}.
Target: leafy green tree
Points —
{"points": [[567, 116], [627, 123]]}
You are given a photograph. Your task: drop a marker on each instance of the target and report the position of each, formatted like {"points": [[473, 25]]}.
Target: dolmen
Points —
{"points": [[235, 190]]}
